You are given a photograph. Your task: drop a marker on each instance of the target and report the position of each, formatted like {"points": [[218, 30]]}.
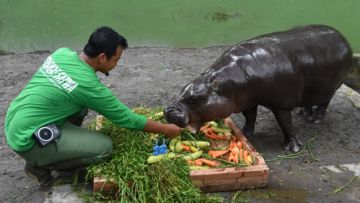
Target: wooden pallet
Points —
{"points": [[214, 180]]}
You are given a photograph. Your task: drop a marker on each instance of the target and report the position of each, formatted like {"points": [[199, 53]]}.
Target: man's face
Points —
{"points": [[107, 64]]}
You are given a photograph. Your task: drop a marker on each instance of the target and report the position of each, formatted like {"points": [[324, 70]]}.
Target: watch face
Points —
{"points": [[45, 134]]}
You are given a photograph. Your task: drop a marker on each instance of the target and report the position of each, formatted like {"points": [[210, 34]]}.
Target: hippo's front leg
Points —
{"points": [[250, 118], [283, 117]]}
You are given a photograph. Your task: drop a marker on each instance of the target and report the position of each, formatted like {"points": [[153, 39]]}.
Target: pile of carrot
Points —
{"points": [[210, 133], [234, 154]]}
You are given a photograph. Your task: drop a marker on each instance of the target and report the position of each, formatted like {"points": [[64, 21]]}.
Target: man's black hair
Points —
{"points": [[104, 40]]}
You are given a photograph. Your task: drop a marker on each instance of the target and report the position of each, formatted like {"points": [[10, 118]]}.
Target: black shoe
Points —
{"points": [[41, 175], [70, 176]]}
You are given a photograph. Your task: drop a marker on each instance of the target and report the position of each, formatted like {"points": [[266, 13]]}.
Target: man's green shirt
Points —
{"points": [[62, 86]]}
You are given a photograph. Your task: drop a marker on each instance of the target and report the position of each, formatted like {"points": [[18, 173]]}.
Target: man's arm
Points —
{"points": [[171, 130]]}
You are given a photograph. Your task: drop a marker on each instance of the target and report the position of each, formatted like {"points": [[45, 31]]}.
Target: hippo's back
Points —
{"points": [[305, 65]]}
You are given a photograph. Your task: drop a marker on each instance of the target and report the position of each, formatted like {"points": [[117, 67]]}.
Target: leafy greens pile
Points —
{"points": [[137, 181]]}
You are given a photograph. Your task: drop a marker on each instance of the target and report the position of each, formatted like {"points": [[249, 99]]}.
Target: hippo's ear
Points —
{"points": [[223, 88], [215, 84]]}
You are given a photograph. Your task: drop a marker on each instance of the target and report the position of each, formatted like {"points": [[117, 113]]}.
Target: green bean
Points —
{"points": [[297, 154]]}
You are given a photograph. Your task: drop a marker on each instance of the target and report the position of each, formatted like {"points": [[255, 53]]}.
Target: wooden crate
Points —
{"points": [[233, 178], [101, 184], [217, 179]]}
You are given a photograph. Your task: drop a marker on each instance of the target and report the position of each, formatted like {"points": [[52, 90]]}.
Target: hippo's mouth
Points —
{"points": [[194, 126], [177, 116]]}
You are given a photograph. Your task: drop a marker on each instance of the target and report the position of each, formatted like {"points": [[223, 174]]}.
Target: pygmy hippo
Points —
{"points": [[299, 67]]}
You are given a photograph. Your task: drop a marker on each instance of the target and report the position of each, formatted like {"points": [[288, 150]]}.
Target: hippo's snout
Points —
{"points": [[176, 115]]}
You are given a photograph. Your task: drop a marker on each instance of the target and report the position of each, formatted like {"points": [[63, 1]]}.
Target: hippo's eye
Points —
{"points": [[194, 100], [191, 100]]}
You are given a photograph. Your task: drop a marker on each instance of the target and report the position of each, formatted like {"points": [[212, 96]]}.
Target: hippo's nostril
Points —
{"points": [[175, 114], [177, 108], [172, 109]]}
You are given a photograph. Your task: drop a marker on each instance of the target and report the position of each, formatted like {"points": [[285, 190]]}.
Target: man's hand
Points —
{"points": [[170, 130]]}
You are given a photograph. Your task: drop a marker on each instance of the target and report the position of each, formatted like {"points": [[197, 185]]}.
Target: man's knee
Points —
{"points": [[106, 146]]}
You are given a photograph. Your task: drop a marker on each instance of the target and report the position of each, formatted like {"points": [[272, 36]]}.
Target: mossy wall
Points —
{"points": [[34, 25]]}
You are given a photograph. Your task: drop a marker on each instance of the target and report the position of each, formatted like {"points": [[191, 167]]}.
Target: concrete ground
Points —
{"points": [[153, 77]]}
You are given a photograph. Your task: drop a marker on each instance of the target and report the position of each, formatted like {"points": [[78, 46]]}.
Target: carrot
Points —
{"points": [[217, 153], [236, 157], [210, 130], [209, 162], [205, 127], [235, 150], [231, 157], [204, 131], [239, 144], [219, 136], [198, 162], [215, 137], [210, 136], [185, 148], [232, 144], [190, 162]]}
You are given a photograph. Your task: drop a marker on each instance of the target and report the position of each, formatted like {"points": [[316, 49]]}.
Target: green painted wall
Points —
{"points": [[30, 25]]}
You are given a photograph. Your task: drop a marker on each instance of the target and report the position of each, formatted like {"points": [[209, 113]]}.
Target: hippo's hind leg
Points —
{"points": [[250, 117], [308, 113], [283, 117], [320, 111]]}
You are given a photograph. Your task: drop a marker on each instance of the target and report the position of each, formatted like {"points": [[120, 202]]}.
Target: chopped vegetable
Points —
{"points": [[178, 146], [217, 153], [209, 162], [186, 148], [198, 162], [172, 144], [193, 156], [199, 144], [160, 157], [221, 130]]}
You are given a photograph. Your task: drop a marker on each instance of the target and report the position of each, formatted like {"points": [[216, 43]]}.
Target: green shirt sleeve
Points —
{"points": [[100, 99]]}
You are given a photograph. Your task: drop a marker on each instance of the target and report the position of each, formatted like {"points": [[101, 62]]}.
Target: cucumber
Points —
{"points": [[212, 123], [172, 143], [178, 147], [153, 159], [194, 149], [198, 144], [193, 156]]}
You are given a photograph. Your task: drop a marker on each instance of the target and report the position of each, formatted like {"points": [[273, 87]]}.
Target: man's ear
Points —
{"points": [[102, 58]]}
